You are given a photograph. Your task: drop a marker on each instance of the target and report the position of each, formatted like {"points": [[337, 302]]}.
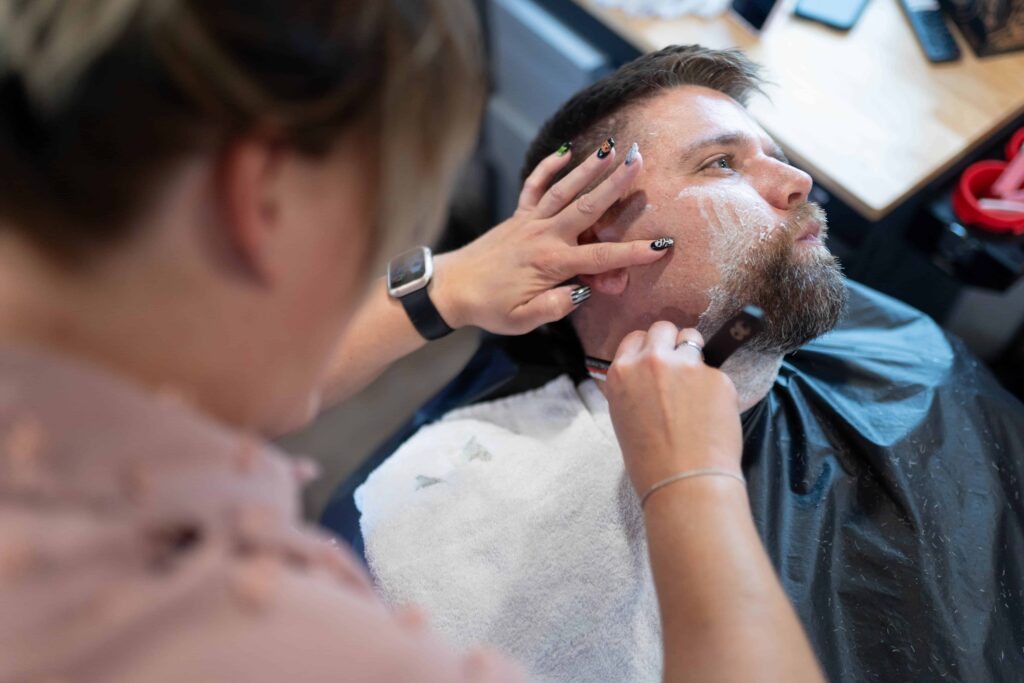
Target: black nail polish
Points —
{"points": [[580, 294], [564, 149], [662, 243], [606, 148]]}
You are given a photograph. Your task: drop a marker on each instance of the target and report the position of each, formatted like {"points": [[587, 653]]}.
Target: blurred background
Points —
{"points": [[905, 112]]}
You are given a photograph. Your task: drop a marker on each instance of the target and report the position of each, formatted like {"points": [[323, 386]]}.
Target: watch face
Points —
{"points": [[406, 270], [408, 267]]}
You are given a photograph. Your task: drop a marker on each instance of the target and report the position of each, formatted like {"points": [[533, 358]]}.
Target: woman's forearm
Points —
{"points": [[724, 614], [380, 334]]}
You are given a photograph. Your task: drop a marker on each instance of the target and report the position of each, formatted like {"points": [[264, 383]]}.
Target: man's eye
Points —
{"points": [[723, 162]]}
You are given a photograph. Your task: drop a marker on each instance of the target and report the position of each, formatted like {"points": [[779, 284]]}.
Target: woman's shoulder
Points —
{"points": [[173, 601]]}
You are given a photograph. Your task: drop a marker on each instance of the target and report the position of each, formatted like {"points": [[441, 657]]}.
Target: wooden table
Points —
{"points": [[864, 112]]}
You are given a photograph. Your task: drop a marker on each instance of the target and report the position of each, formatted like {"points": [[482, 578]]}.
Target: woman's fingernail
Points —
{"points": [[662, 243], [564, 149], [606, 148], [631, 156], [580, 294]]}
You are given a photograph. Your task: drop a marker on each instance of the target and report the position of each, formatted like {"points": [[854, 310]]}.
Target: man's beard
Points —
{"points": [[802, 295]]}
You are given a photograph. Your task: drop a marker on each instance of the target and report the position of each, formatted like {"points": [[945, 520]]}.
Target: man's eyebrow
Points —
{"points": [[723, 140], [730, 140]]}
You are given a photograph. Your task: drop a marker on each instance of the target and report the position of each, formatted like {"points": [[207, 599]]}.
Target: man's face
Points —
{"points": [[744, 231]]}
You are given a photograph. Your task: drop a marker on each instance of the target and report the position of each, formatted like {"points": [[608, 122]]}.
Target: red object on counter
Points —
{"points": [[1014, 145], [976, 183], [1012, 179]]}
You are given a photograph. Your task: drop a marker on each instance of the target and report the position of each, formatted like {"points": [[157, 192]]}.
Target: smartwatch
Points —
{"points": [[409, 273]]}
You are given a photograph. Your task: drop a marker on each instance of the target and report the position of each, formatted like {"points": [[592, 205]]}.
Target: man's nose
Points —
{"points": [[784, 186]]}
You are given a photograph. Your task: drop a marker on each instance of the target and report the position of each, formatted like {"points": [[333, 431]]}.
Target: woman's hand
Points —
{"points": [[671, 412], [715, 584], [511, 279]]}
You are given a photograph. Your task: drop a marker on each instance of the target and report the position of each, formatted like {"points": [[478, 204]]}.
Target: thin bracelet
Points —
{"points": [[709, 472]]}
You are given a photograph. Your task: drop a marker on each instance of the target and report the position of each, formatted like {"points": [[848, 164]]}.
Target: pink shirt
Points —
{"points": [[141, 541]]}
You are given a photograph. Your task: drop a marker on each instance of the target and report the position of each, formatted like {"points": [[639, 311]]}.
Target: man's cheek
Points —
{"points": [[681, 280], [735, 216]]}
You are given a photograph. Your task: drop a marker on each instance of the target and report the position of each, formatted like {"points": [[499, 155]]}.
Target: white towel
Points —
{"points": [[513, 523]]}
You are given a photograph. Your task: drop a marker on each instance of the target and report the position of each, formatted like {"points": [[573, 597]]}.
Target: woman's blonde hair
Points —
{"points": [[99, 97]]}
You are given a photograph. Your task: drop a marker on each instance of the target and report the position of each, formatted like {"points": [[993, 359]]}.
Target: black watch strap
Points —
{"points": [[424, 315]]}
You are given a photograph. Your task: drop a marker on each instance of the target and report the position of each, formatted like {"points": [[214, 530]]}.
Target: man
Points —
{"points": [[883, 463]]}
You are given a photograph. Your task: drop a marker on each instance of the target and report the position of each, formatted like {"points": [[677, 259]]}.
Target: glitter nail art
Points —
{"points": [[631, 156]]}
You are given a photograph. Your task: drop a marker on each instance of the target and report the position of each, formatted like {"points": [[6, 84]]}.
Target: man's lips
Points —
{"points": [[812, 233]]}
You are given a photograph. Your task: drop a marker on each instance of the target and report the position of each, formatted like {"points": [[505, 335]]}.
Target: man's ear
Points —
{"points": [[248, 180], [612, 282]]}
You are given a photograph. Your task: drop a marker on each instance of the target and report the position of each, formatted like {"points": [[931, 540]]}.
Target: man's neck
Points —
{"points": [[753, 373]]}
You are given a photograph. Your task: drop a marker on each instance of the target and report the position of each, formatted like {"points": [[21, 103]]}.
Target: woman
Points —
{"points": [[193, 197]]}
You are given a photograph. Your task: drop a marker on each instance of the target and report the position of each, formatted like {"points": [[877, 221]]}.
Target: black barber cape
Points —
{"points": [[885, 471]]}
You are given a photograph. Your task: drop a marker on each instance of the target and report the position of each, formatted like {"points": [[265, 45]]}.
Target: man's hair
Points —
{"points": [[599, 111]]}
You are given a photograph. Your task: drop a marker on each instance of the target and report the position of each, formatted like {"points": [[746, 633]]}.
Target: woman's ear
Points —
{"points": [[612, 282], [248, 183]]}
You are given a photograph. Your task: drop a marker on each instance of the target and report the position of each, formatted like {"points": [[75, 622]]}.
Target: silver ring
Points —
{"points": [[694, 345]]}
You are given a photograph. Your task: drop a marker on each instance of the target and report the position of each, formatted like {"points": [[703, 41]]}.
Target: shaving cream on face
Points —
{"points": [[736, 224]]}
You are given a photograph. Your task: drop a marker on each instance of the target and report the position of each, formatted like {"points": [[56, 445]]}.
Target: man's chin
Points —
{"points": [[806, 304]]}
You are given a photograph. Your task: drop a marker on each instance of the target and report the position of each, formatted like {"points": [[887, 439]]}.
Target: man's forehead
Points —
{"points": [[690, 113]]}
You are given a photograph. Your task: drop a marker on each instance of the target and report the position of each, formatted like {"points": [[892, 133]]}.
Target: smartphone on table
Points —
{"points": [[755, 15], [839, 14]]}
